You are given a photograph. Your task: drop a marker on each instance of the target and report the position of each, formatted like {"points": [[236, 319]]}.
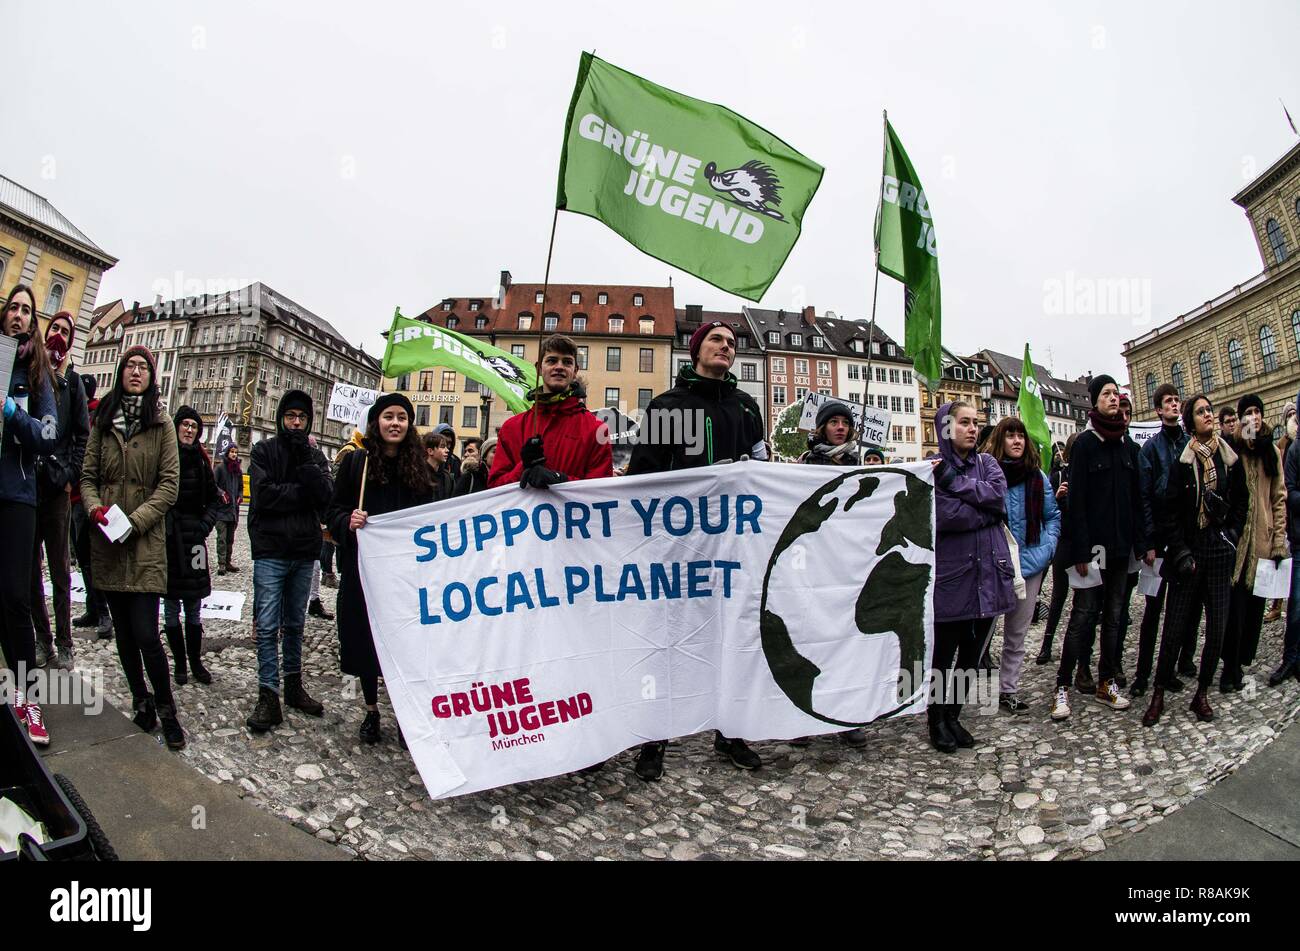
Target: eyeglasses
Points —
{"points": [[297, 417], [138, 365]]}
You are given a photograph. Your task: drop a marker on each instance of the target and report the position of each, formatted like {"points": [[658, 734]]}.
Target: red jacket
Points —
{"points": [[575, 441]]}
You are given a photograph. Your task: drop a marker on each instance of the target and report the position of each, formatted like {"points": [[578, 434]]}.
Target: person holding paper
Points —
{"points": [[1035, 522], [1105, 524], [388, 474], [289, 490], [1202, 517], [974, 575], [132, 469], [30, 429], [1264, 537]]}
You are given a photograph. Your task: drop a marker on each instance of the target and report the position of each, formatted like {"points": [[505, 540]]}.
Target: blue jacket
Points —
{"points": [[1156, 460], [1039, 557], [31, 431]]}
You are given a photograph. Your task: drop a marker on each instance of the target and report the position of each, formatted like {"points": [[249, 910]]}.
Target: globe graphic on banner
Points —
{"points": [[873, 574]]}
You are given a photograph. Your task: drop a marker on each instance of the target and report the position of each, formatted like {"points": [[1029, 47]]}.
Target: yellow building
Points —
{"points": [[1247, 339], [41, 248]]}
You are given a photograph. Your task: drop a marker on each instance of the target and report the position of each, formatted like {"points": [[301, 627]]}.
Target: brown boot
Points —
{"points": [[1201, 706], [1152, 716]]}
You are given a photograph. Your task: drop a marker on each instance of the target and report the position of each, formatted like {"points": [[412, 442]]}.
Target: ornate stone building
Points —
{"points": [[1247, 339]]}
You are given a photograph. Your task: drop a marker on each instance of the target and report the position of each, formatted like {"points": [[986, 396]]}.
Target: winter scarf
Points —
{"points": [[1205, 453], [127, 420], [1111, 429], [831, 452], [1017, 472]]}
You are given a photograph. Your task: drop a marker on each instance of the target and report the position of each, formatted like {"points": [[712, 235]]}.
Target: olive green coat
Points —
{"points": [[140, 477]]}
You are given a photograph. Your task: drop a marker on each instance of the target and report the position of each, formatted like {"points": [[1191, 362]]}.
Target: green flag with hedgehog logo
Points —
{"points": [[906, 251], [689, 182]]}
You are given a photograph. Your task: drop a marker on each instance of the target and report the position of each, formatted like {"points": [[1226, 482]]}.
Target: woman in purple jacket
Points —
{"points": [[973, 568]]}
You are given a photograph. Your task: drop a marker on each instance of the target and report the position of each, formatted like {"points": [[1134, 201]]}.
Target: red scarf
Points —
{"points": [[1017, 472], [1109, 428]]}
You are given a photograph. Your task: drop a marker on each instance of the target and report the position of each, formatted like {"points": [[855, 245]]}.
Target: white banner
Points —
{"points": [[1141, 432], [527, 633], [872, 424], [219, 605], [349, 404]]}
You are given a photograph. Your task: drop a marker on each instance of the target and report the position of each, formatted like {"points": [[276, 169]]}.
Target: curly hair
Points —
{"points": [[412, 467]]}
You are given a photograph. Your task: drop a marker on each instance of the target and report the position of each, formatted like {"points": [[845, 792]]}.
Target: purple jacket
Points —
{"points": [[972, 560]]}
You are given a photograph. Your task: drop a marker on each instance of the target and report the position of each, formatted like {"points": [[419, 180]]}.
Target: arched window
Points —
{"points": [[1236, 363], [1276, 240], [1151, 387], [1207, 372], [1267, 348], [646, 325], [1176, 377], [54, 302]]}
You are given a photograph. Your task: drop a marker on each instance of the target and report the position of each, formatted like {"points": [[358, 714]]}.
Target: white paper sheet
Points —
{"points": [[1149, 579], [1273, 581], [1090, 580], [118, 524]]}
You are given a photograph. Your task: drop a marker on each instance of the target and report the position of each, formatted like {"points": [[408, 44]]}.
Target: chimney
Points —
{"points": [[810, 316], [695, 313], [502, 288]]}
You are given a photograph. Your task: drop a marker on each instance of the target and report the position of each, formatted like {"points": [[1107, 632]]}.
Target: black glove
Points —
{"points": [[540, 477], [532, 454], [1185, 566], [299, 448]]}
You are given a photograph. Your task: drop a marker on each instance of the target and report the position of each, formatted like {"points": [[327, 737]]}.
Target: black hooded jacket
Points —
{"points": [[191, 519], [289, 489], [733, 425]]}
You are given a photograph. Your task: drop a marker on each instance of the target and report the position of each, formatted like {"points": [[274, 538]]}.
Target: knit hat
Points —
{"points": [[1288, 411], [488, 446], [1247, 401], [58, 354], [387, 400], [1126, 396], [833, 408], [442, 427], [90, 385], [139, 350], [697, 338], [1097, 385], [294, 399], [188, 412], [876, 451]]}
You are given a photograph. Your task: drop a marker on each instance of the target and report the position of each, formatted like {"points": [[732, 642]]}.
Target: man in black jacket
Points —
{"points": [[289, 489], [57, 473], [1105, 521], [705, 419], [1290, 665]]}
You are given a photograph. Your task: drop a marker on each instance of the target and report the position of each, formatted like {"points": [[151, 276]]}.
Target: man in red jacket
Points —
{"points": [[558, 440]]}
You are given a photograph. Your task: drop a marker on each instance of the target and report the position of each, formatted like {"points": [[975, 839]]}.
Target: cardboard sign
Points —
{"points": [[872, 424], [349, 404]]}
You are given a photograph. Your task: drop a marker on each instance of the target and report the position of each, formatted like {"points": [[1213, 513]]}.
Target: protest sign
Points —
{"points": [[349, 404], [525, 634], [872, 424]]}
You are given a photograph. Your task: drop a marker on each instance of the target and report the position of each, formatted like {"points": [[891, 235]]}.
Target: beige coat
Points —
{"points": [[141, 478], [1265, 532]]}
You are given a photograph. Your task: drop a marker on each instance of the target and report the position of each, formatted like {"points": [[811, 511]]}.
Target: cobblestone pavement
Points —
{"points": [[1030, 789]]}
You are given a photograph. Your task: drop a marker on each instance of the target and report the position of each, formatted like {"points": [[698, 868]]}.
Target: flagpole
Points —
{"points": [[541, 320], [875, 286]]}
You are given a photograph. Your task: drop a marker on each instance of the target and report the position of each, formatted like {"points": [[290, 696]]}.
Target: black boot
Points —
{"points": [[299, 699], [316, 609], [171, 727], [1045, 655], [650, 761], [1284, 670], [146, 716], [267, 712], [194, 651], [941, 737], [176, 643], [737, 751], [959, 733], [370, 728], [89, 619]]}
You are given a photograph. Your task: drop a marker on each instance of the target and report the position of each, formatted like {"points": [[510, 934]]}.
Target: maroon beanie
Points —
{"points": [[697, 338], [139, 350]]}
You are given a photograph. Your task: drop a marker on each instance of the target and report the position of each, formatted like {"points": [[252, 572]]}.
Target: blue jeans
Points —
{"points": [[1291, 644], [280, 589], [172, 611]]}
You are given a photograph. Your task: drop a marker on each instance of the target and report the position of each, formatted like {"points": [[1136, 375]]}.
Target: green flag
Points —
{"points": [[1033, 413], [905, 250], [686, 181], [415, 345]]}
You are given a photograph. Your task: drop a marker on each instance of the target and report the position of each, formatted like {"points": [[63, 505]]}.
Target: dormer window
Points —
{"points": [[743, 342], [647, 325], [638, 300], [773, 337], [549, 322], [796, 340], [525, 321], [446, 306], [480, 323], [539, 296], [579, 325], [890, 349], [453, 323], [616, 325], [859, 346], [475, 305], [602, 298], [818, 343]]}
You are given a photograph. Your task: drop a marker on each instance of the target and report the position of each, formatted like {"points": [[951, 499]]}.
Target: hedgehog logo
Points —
{"points": [[753, 185], [507, 370]]}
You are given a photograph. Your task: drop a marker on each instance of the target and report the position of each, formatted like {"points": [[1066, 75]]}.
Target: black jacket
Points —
{"points": [[1156, 459], [733, 425], [63, 466], [189, 522], [289, 488], [1178, 511], [1291, 469], [233, 485], [473, 478], [356, 647], [1105, 501]]}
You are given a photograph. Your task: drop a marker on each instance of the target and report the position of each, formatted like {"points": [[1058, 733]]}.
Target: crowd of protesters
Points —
{"points": [[135, 496]]}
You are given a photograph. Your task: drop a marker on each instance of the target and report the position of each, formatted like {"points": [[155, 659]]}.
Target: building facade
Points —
{"points": [[960, 381], [750, 368], [1005, 371], [799, 357], [41, 248], [1247, 339], [885, 381], [103, 344]]}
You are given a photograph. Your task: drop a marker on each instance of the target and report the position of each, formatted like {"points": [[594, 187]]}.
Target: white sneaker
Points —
{"points": [[1061, 704], [1108, 695]]}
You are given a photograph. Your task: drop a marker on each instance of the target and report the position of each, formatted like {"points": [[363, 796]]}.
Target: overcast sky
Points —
{"points": [[357, 156]]}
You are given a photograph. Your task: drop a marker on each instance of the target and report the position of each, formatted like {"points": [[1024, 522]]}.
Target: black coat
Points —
{"points": [[1178, 511], [1105, 502], [233, 485], [189, 522], [473, 478], [734, 425], [444, 484], [63, 466], [357, 655], [289, 489]]}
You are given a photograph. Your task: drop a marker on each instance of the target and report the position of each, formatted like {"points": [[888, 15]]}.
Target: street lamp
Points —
{"points": [[486, 400], [986, 391]]}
